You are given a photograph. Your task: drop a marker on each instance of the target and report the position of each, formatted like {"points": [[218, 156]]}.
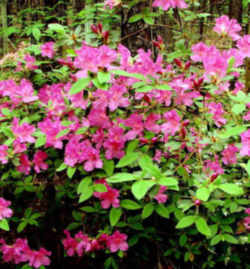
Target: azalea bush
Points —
{"points": [[113, 157]]}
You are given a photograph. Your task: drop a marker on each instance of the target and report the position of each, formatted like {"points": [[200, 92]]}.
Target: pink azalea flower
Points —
{"points": [[109, 197], [38, 161], [166, 4], [5, 212], [69, 244], [93, 160], [19, 147], [16, 252], [172, 124], [229, 155], [135, 122], [30, 62], [213, 166], [160, 196], [245, 140], [117, 241], [23, 132], [3, 154], [47, 49], [246, 223], [244, 45], [225, 26], [247, 211], [38, 258], [218, 112], [111, 3], [25, 164], [150, 123], [114, 143]]}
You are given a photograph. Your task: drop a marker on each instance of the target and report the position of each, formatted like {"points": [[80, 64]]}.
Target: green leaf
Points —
{"points": [[85, 182], [126, 74], [4, 225], [62, 133], [203, 194], [103, 77], [186, 222], [149, 20], [56, 27], [147, 165], [88, 191], [135, 18], [163, 87], [230, 239], [238, 108], [71, 171], [127, 159], [108, 166], [132, 145], [183, 240], [202, 226], [41, 141], [147, 210], [146, 88], [36, 33], [231, 188], [62, 167], [167, 181], [130, 205], [121, 177], [21, 226], [81, 130], [78, 86], [232, 131], [162, 211], [216, 240], [6, 112], [141, 187], [100, 188], [114, 215], [88, 209]]}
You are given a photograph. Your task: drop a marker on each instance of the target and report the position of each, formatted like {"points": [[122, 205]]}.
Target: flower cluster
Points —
{"points": [[166, 4], [20, 252], [82, 243]]}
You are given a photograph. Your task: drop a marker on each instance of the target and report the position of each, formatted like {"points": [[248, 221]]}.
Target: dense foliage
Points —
{"points": [[109, 158]]}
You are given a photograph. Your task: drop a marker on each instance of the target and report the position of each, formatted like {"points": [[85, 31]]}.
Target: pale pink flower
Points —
{"points": [[3, 154], [5, 211], [225, 26], [23, 132], [38, 258], [47, 49], [30, 62], [246, 223], [160, 196], [229, 154], [172, 124], [244, 45], [166, 4], [245, 140], [111, 3]]}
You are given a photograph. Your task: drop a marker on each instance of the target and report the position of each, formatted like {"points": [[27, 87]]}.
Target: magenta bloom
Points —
{"points": [[38, 161], [23, 132], [25, 164], [245, 140], [225, 26], [246, 223], [69, 244], [160, 196], [117, 241], [38, 258], [244, 45], [109, 197], [16, 252], [247, 211], [47, 49], [3, 154], [5, 212], [229, 154], [30, 62], [213, 166], [172, 124], [166, 4], [92, 159], [218, 112]]}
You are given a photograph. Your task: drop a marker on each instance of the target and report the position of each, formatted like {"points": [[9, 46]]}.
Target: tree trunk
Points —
{"points": [[4, 25], [235, 10]]}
